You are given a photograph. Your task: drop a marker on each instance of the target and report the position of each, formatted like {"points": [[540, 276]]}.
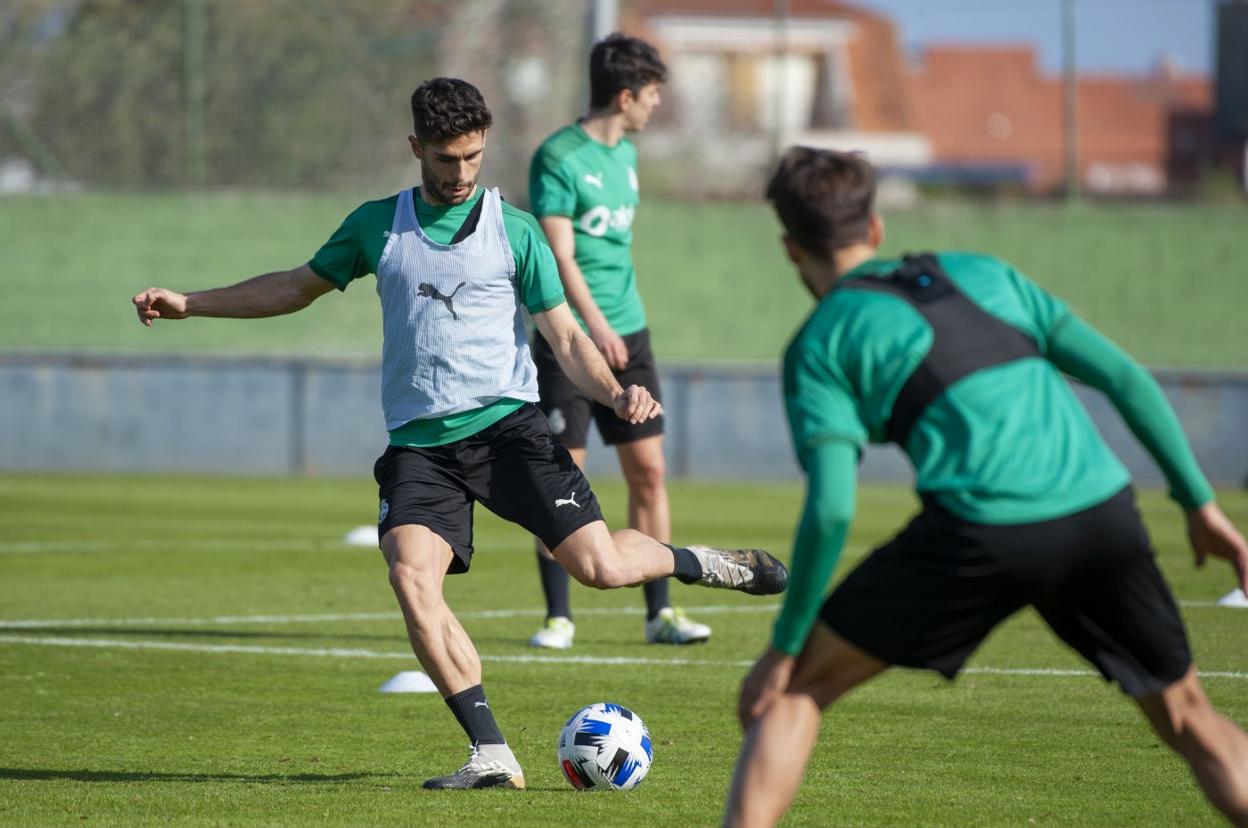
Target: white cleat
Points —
{"points": [[480, 772], [556, 634], [672, 626]]}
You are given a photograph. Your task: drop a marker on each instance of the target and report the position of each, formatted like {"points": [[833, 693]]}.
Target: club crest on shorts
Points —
{"points": [[384, 510], [558, 422]]}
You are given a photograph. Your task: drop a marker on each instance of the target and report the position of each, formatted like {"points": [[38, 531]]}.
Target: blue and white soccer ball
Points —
{"points": [[605, 747]]}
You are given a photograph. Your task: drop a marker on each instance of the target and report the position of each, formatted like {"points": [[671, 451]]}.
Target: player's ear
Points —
{"points": [[623, 98], [875, 230], [417, 150]]}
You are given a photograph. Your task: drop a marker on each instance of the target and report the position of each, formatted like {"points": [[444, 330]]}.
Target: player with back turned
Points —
{"points": [[958, 359], [454, 265]]}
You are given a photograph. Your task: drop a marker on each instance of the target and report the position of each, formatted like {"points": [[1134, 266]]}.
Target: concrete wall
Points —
{"points": [[323, 417]]}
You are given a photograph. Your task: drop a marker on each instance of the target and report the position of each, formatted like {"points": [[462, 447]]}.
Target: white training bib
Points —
{"points": [[454, 338]]}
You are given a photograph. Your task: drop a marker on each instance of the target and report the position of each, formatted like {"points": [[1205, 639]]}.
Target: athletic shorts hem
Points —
{"points": [[463, 555], [872, 648], [929, 597], [1141, 685], [565, 531]]}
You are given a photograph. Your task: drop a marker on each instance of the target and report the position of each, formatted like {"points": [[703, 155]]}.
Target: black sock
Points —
{"points": [[475, 717], [656, 597], [554, 587], [688, 570]]}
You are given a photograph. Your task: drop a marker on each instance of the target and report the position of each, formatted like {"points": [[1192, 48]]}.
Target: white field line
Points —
{"points": [[225, 620], [340, 652]]}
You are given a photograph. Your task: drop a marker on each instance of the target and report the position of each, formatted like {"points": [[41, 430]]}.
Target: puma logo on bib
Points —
{"points": [[426, 289]]}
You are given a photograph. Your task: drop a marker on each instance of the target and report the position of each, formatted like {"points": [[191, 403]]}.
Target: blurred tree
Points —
{"points": [[294, 92]]}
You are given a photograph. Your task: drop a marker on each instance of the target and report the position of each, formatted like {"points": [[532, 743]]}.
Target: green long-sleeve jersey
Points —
{"points": [[1006, 444]]}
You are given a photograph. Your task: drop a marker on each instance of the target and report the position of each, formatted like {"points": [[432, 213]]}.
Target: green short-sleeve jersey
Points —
{"points": [[595, 186], [1006, 444], [355, 249]]}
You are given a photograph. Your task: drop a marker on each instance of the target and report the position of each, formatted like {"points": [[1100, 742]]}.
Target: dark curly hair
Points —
{"points": [[444, 108], [824, 198], [619, 62]]}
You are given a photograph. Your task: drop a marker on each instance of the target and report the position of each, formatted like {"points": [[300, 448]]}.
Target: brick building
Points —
{"points": [[832, 74], [1137, 135]]}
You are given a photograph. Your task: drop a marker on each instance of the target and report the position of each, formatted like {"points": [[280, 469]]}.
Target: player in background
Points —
{"points": [[453, 265], [583, 190], [959, 359]]}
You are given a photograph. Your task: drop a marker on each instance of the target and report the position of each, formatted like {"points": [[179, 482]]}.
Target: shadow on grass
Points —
{"points": [[45, 775], [218, 635], [182, 632]]}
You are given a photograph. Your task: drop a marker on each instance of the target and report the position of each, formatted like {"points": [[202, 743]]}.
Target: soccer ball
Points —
{"points": [[605, 747]]}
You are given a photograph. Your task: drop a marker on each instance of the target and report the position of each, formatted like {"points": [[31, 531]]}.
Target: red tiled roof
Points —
{"points": [[754, 8], [882, 100], [990, 104]]}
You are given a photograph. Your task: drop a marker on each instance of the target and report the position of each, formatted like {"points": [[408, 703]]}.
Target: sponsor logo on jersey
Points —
{"points": [[600, 219], [596, 180]]}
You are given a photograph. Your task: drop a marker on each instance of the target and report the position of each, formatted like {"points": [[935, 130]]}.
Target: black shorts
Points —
{"points": [[569, 410], [513, 467], [930, 596]]}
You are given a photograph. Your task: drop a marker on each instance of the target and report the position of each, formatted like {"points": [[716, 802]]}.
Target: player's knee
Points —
{"points": [[646, 481], [606, 576], [1186, 716], [600, 572], [411, 582]]}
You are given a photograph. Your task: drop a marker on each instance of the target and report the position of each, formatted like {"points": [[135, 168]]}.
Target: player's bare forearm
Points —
{"points": [[271, 294], [577, 355], [579, 358]]}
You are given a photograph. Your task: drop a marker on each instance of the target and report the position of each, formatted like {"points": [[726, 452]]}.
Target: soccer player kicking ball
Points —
{"points": [[959, 359], [583, 188], [453, 265]]}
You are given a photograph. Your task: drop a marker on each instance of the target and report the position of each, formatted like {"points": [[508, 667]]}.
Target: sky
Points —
{"points": [[1110, 35]]}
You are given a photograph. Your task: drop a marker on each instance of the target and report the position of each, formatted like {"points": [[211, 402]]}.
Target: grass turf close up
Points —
{"points": [[205, 651]]}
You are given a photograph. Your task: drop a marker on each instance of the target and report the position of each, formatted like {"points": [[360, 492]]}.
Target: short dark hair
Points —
{"points": [[444, 108], [619, 62], [824, 198]]}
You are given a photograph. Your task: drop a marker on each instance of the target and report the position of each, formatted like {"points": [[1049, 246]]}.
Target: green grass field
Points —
{"points": [[1161, 279], [204, 651]]}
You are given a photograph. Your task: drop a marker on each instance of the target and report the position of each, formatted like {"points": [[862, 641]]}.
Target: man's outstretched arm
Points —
{"points": [[272, 294], [1089, 356], [579, 358]]}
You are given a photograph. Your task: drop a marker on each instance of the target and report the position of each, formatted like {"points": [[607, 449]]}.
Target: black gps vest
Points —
{"points": [[965, 338]]}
